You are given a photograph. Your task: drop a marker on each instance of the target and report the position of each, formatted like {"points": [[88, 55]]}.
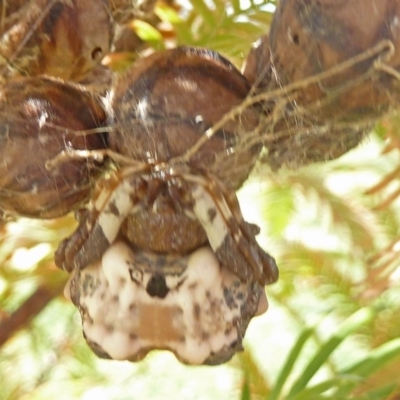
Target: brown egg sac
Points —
{"points": [[309, 37], [39, 118], [62, 38], [165, 103]]}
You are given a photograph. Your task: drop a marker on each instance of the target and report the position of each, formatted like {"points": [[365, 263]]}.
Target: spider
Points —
{"points": [[163, 231], [166, 202], [155, 156]]}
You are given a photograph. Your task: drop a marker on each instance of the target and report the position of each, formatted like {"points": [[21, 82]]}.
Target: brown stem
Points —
{"points": [[31, 307]]}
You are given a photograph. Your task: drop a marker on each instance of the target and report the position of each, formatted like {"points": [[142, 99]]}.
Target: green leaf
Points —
{"points": [[206, 13], [317, 392], [291, 360], [371, 363], [278, 209], [351, 324], [246, 394], [167, 14], [145, 31], [375, 359]]}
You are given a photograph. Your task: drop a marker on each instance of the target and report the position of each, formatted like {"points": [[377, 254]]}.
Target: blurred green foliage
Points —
{"points": [[332, 330]]}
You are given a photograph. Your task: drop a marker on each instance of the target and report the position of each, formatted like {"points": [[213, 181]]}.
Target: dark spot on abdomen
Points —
{"points": [[157, 286]]}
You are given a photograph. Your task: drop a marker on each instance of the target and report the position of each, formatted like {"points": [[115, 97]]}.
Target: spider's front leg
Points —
{"points": [[100, 225], [230, 236]]}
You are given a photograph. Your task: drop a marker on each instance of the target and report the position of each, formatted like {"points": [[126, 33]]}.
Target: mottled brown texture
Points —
{"points": [[125, 10], [168, 223], [164, 104], [123, 319], [9, 7], [308, 37], [164, 227], [161, 108], [62, 38], [39, 118], [185, 92]]}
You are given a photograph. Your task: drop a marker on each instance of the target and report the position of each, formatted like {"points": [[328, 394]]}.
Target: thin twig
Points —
{"points": [[287, 91], [29, 309]]}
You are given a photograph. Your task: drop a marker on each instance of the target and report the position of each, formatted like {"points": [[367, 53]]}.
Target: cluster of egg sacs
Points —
{"points": [[166, 102], [152, 113]]}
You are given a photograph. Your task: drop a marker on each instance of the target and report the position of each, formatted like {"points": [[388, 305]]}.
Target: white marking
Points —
{"points": [[216, 230], [142, 109], [174, 280], [124, 320], [110, 222], [198, 119]]}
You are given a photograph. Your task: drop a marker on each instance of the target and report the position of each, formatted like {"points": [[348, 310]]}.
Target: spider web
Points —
{"points": [[289, 128]]}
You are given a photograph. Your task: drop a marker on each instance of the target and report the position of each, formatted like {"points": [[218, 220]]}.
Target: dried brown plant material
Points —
{"points": [[165, 103], [41, 117], [62, 38], [125, 10], [309, 38]]}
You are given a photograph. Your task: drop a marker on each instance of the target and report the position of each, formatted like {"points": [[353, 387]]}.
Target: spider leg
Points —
{"points": [[95, 155], [99, 227], [231, 238]]}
